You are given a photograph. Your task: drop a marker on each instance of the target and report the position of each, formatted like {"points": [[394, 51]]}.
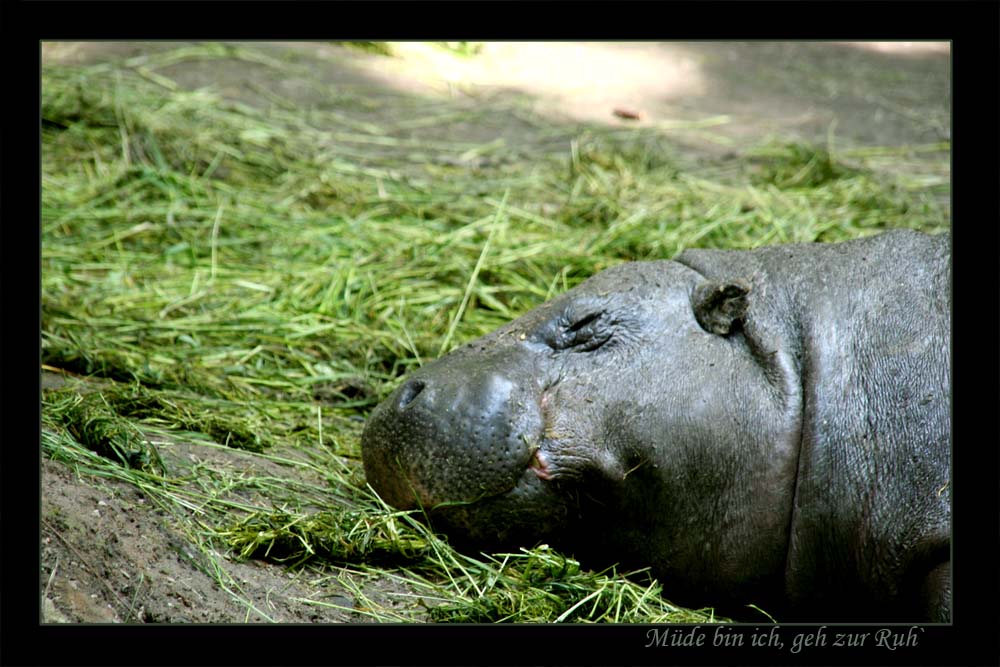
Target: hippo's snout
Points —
{"points": [[452, 433], [408, 392]]}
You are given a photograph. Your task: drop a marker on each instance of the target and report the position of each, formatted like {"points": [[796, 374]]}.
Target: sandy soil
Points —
{"points": [[109, 556]]}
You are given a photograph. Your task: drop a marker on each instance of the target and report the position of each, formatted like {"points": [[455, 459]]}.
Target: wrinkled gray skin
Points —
{"points": [[769, 427]]}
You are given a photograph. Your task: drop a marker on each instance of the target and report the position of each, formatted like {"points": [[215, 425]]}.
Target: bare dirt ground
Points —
{"points": [[868, 93], [108, 555]]}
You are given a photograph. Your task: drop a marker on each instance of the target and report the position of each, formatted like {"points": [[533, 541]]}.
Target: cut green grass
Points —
{"points": [[259, 277]]}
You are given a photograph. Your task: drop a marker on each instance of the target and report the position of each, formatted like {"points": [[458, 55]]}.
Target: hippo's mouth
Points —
{"points": [[563, 450], [539, 464]]}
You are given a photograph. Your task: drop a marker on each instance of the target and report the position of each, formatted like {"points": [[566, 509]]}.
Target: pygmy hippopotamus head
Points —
{"points": [[627, 410]]}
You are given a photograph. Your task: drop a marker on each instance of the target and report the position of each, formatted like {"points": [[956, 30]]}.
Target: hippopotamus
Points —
{"points": [[767, 427]]}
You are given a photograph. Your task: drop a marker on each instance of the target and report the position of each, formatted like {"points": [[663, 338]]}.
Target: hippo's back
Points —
{"points": [[874, 469], [869, 322]]}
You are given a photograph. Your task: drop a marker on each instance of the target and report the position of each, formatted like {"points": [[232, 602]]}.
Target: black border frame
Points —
{"points": [[972, 28]]}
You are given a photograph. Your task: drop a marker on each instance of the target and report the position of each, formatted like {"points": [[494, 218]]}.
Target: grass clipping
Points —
{"points": [[532, 586], [257, 276], [541, 585]]}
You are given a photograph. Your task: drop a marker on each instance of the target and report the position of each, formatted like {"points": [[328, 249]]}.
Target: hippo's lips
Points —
{"points": [[539, 465], [539, 462]]}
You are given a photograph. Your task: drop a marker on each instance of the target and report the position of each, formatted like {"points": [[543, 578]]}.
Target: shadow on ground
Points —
{"points": [[877, 94]]}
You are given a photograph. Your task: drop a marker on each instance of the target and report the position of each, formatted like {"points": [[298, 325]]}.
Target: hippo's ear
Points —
{"points": [[720, 307]]}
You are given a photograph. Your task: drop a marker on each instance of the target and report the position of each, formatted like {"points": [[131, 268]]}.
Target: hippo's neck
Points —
{"points": [[867, 327]]}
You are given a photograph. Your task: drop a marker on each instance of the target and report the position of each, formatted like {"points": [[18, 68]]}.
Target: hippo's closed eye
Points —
{"points": [[583, 333]]}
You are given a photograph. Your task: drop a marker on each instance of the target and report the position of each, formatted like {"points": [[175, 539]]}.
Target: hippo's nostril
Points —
{"points": [[409, 392]]}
